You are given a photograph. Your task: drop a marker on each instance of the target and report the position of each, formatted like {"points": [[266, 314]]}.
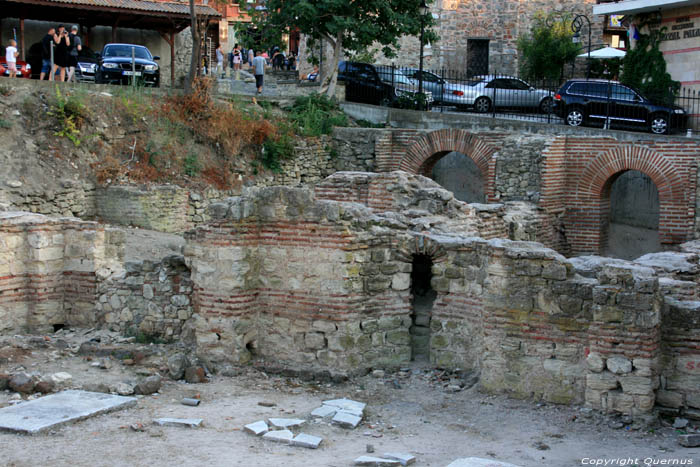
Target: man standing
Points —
{"points": [[259, 70], [46, 64], [220, 70], [75, 46]]}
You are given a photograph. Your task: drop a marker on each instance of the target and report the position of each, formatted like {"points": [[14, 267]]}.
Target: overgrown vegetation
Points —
{"points": [[69, 112], [5, 90], [644, 67], [316, 115], [5, 124], [547, 48]]}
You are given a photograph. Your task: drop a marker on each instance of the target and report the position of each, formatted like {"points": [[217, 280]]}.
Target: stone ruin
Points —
{"points": [[368, 271]]}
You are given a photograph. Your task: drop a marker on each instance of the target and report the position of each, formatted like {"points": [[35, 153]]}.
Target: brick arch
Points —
{"points": [[591, 205], [426, 150]]}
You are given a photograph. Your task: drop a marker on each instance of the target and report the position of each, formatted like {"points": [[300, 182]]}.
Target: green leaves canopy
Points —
{"points": [[547, 48]]}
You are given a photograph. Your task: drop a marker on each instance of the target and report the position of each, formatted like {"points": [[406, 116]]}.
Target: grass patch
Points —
{"points": [[69, 112], [316, 115], [5, 124]]}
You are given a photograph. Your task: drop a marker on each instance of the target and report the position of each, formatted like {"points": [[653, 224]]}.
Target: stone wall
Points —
{"points": [[324, 286], [146, 298], [49, 270], [72, 199]]}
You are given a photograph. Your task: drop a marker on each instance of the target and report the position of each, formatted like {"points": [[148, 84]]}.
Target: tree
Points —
{"points": [[644, 68], [348, 26], [196, 43], [547, 48]]}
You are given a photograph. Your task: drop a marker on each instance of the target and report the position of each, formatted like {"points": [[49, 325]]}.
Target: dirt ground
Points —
{"points": [[411, 410]]}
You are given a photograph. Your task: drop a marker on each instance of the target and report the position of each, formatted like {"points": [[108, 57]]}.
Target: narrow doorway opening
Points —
{"points": [[423, 297]]}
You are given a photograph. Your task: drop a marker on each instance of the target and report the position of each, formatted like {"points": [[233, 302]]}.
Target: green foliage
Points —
{"points": [[412, 101], [275, 150], [191, 165], [144, 338], [69, 112], [316, 115], [546, 48], [366, 56], [606, 69], [644, 68], [5, 124], [350, 27], [5, 90]]}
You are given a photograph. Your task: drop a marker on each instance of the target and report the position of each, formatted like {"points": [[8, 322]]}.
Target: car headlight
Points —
{"points": [[110, 65], [150, 67], [679, 111], [28, 66]]}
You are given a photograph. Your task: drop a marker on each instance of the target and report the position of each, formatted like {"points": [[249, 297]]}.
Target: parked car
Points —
{"points": [[24, 69], [377, 85], [115, 65], [583, 102], [444, 92], [88, 61], [507, 91]]}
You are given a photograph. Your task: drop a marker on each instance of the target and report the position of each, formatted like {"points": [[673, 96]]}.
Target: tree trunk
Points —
{"points": [[194, 60], [329, 82]]}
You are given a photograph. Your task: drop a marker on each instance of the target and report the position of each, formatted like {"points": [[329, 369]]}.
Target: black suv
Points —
{"points": [[378, 85], [115, 65], [582, 102]]}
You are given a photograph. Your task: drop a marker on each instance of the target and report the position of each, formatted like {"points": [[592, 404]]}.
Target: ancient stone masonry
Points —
{"points": [[49, 269], [322, 283], [72, 199], [146, 297]]}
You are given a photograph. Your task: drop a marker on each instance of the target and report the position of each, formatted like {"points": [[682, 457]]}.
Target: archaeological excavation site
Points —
{"points": [[433, 289]]}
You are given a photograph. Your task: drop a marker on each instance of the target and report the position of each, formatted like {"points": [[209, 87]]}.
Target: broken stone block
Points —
{"points": [[619, 365], [689, 441], [404, 458], [258, 428], [148, 385], [182, 422], [376, 461], [61, 379], [195, 374], [124, 389], [324, 411], [176, 365], [346, 420], [44, 387], [286, 422], [346, 404], [279, 436], [479, 462], [307, 441]]}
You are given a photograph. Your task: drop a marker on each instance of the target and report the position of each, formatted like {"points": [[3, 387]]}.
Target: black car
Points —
{"points": [[115, 65], [377, 85], [591, 102]]}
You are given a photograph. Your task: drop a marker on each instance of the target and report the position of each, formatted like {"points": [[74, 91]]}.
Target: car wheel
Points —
{"points": [[659, 124], [574, 117], [482, 104], [547, 105]]}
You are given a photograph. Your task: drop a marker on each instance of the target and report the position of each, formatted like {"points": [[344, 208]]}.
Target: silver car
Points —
{"points": [[480, 92]]}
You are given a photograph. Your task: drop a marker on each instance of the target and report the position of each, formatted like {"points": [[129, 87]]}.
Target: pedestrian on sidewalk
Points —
{"points": [[237, 60], [259, 64], [73, 51], [220, 70], [11, 55], [46, 64]]}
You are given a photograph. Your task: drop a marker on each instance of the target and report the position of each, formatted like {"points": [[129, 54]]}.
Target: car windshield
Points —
{"points": [[124, 51]]}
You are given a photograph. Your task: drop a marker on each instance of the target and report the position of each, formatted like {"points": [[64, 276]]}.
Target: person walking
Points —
{"points": [[251, 57], [237, 60], [61, 53], [46, 64], [74, 49], [259, 64], [220, 70], [11, 55]]}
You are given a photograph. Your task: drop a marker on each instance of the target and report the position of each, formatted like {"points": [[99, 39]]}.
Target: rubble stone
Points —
{"points": [[279, 436], [148, 386], [22, 382], [307, 441], [619, 365], [258, 428]]}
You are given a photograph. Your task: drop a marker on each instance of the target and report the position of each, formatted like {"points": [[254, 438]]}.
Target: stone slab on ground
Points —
{"points": [[376, 461], [346, 420], [307, 441], [346, 404], [258, 428], [186, 422], [286, 422], [689, 441], [479, 462], [324, 411], [403, 457], [58, 409], [279, 436]]}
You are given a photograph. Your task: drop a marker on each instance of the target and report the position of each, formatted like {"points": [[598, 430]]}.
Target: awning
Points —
{"points": [[607, 52]]}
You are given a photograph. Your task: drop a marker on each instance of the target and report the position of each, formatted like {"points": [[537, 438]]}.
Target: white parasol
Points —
{"points": [[607, 52]]}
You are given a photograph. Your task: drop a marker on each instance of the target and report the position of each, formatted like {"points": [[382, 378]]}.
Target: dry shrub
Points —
{"points": [[107, 170]]}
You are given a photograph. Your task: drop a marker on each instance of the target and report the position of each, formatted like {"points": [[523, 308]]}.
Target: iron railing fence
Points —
{"points": [[603, 103]]}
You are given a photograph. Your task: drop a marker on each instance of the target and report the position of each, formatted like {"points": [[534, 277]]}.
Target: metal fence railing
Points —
{"points": [[603, 103]]}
